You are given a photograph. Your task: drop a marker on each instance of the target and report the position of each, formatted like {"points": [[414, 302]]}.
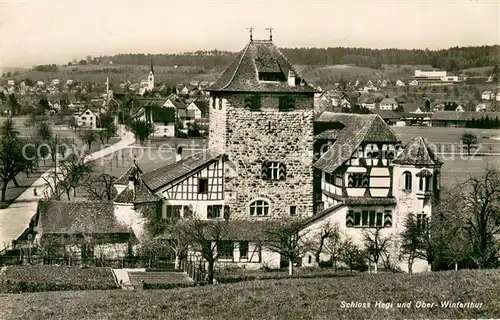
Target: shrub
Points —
{"points": [[18, 279]]}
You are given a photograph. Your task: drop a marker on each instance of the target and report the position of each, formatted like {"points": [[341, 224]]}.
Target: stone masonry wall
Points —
{"points": [[270, 135]]}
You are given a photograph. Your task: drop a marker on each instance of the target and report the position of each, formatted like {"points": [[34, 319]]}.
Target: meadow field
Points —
{"points": [[365, 296], [458, 166]]}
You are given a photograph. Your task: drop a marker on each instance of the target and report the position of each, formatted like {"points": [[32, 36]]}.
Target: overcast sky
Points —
{"points": [[35, 32]]}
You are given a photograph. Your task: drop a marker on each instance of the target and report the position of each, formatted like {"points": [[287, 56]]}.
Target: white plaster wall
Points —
{"points": [[199, 206], [126, 215], [111, 250]]}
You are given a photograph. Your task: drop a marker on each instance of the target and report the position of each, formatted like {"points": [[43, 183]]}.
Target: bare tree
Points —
{"points": [[376, 245], [327, 240], [177, 238], [352, 255], [411, 241], [205, 237], [481, 201], [100, 187], [288, 238]]}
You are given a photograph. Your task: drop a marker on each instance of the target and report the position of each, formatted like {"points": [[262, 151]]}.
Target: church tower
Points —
{"points": [[151, 77], [261, 118]]}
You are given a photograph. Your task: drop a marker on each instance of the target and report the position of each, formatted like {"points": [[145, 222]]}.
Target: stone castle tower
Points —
{"points": [[261, 118], [151, 77]]}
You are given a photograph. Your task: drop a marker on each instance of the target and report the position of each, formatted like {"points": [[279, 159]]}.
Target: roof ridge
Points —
{"points": [[238, 66]]}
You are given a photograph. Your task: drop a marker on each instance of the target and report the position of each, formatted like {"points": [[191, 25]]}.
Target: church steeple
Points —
{"points": [[151, 77]]}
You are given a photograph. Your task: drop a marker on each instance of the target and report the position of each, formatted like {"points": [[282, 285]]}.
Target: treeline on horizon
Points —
{"points": [[452, 59]]}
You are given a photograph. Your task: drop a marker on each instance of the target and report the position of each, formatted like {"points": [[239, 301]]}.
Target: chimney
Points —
{"points": [[178, 155], [291, 78]]}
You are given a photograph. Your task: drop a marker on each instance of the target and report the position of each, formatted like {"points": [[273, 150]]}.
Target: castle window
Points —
{"points": [[220, 103], [358, 180], [293, 210], [286, 103], [252, 102], [407, 177], [421, 184], [214, 211], [202, 185], [370, 219], [259, 208], [272, 170], [428, 183], [339, 180], [437, 181]]}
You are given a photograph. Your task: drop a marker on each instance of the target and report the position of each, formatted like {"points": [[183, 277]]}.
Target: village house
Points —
{"points": [[198, 108], [86, 119], [11, 82], [388, 104], [160, 113], [400, 83], [498, 96], [82, 231], [367, 101], [487, 95]]}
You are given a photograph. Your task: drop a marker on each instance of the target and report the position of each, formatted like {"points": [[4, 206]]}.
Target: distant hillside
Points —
{"points": [[452, 59]]}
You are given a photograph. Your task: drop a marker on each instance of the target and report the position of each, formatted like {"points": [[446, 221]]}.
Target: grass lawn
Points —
{"points": [[277, 299]]}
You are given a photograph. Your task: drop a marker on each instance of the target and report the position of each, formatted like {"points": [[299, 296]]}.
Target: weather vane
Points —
{"points": [[251, 35], [270, 29]]}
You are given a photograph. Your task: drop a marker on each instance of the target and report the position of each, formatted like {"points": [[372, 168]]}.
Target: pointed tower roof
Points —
{"points": [[151, 68], [260, 57], [417, 153]]}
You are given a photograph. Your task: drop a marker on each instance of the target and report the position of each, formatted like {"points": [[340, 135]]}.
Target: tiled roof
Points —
{"points": [[323, 213], [417, 153], [424, 173], [201, 104], [78, 217], [162, 176], [138, 194], [133, 171], [328, 134], [446, 115], [259, 56], [386, 114], [388, 101], [357, 128], [362, 201]]}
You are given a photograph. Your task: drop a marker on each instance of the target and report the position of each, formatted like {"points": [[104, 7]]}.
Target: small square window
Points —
{"points": [[293, 210], [202, 185]]}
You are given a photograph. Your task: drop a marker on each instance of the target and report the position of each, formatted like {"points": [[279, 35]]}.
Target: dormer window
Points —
{"points": [[271, 76]]}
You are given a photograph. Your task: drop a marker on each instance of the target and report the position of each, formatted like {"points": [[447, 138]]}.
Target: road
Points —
{"points": [[15, 218]]}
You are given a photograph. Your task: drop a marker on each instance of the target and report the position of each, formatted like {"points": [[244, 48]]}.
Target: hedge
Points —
{"points": [[18, 279]]}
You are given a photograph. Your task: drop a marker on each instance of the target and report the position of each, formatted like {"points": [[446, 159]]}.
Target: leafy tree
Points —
{"points": [[142, 130], [14, 105], [43, 106], [108, 128], [44, 131], [72, 123], [88, 136], [12, 160], [469, 139]]}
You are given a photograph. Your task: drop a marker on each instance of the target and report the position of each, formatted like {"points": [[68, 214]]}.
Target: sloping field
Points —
{"points": [[362, 297]]}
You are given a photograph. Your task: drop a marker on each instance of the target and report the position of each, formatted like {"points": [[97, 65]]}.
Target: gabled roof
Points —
{"points": [[201, 104], [62, 217], [417, 153], [388, 101], [358, 128], [259, 56], [162, 176], [133, 171], [177, 102], [386, 114]]}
